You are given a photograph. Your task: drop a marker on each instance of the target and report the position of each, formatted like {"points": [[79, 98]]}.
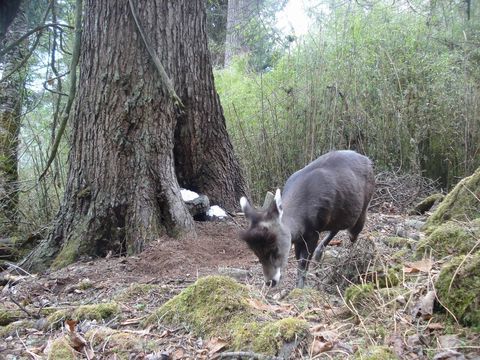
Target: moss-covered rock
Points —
{"points": [[15, 327], [8, 316], [269, 338], [375, 353], [120, 343], [218, 306], [83, 312], [462, 295], [61, 350], [426, 204], [450, 238], [460, 204]]}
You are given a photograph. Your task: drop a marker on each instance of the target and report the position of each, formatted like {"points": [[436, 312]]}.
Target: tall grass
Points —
{"points": [[383, 81]]}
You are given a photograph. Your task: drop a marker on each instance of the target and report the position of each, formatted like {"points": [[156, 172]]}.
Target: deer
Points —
{"points": [[330, 194]]}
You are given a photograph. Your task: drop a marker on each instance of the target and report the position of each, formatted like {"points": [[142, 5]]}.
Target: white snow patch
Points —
{"points": [[188, 195], [216, 211]]}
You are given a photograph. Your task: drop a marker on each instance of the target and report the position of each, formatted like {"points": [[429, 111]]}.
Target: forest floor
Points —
{"points": [[139, 284]]}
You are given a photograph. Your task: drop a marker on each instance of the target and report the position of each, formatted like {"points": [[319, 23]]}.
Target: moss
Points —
{"points": [[61, 350], [304, 299], [462, 298], [135, 291], [201, 307], [356, 294], [85, 284], [218, 306], [375, 353], [398, 242], [15, 327], [9, 316], [66, 256], [273, 336], [426, 204], [121, 343], [450, 238], [90, 312], [389, 279], [460, 204]]}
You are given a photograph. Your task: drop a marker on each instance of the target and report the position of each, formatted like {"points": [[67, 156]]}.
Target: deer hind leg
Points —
{"points": [[358, 227], [317, 255]]}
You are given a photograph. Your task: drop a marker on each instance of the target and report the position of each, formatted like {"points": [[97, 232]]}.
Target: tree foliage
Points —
{"points": [[396, 82]]}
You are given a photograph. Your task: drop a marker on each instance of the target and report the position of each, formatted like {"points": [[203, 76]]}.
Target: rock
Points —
{"points": [[199, 206]]}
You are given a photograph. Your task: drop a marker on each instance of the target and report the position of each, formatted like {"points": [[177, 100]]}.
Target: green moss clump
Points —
{"points": [[15, 327], [91, 312], [450, 238], [61, 350], [272, 336], [375, 353], [356, 294], [66, 256], [135, 291], [121, 343], [389, 279], [426, 204], [218, 306], [9, 316], [305, 299], [398, 242], [463, 299], [460, 204], [206, 304]]}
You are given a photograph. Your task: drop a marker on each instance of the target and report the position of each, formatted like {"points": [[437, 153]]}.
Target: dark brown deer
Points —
{"points": [[330, 194]]}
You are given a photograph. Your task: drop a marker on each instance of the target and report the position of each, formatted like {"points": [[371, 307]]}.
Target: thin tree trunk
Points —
{"points": [[121, 190], [204, 156], [239, 14], [11, 95]]}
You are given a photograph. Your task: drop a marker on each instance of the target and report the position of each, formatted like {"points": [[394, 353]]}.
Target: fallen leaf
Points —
{"points": [[71, 325], [214, 345], [435, 326], [396, 341], [319, 346], [178, 354], [335, 243], [424, 265]]}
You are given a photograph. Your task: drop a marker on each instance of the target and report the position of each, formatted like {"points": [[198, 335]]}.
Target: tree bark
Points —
{"points": [[204, 157], [11, 95], [122, 190]]}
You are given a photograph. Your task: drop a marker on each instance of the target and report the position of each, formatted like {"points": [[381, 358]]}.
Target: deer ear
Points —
{"points": [[278, 202], [246, 207]]}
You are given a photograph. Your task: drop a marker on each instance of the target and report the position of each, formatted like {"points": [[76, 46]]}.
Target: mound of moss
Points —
{"points": [[83, 312], [218, 306], [462, 294], [460, 204], [62, 350], [120, 343], [450, 238], [8, 316]]}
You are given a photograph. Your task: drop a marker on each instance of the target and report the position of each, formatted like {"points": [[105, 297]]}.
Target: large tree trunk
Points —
{"points": [[122, 190], [11, 95], [204, 156]]}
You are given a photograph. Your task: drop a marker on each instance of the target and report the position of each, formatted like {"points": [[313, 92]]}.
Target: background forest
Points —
{"points": [[398, 81]]}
